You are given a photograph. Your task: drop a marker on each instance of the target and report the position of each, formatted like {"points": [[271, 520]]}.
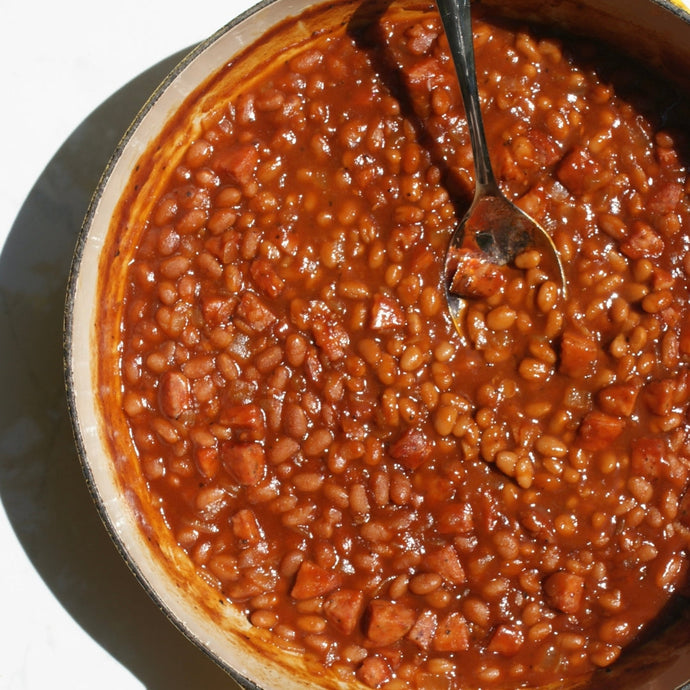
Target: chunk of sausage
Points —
{"points": [[343, 609], [618, 399], [506, 640], [313, 581], [329, 333], [452, 635], [598, 430], [580, 174], [578, 354], [387, 622], [385, 313], [648, 457], [246, 462], [413, 448], [455, 518], [246, 527], [374, 671], [255, 312], [217, 310], [240, 162], [564, 591], [423, 631], [247, 421], [659, 396], [447, 564], [266, 278], [665, 198], [546, 150], [474, 276], [643, 242], [207, 461]]}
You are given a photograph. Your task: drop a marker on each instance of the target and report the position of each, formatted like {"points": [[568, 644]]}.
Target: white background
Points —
{"points": [[73, 75]]}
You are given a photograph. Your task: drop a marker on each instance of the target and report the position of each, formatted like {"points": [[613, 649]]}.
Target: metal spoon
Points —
{"points": [[494, 231]]}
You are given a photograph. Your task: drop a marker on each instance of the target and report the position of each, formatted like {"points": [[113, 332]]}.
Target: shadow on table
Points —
{"points": [[41, 484]]}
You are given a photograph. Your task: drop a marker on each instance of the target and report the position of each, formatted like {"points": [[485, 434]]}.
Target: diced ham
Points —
{"points": [[666, 156], [246, 527], [265, 277], [665, 198], [425, 72], [446, 563], [659, 396], [452, 635], [393, 655], [385, 313], [539, 523], [217, 310], [257, 315], [387, 621], [564, 590], [643, 242], [578, 354], [246, 462], [424, 628], [648, 457], [246, 421], [455, 518], [313, 581], [662, 279], [546, 151], [326, 328], [374, 671], [474, 276], [580, 174], [598, 430], [420, 38], [618, 399], [343, 609], [421, 258], [438, 489], [506, 640], [331, 337], [406, 236], [239, 162], [412, 449], [207, 461], [250, 584]]}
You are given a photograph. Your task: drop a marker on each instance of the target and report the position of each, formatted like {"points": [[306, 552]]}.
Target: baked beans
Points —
{"points": [[413, 506]]}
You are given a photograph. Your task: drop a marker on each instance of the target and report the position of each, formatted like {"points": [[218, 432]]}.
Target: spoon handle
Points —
{"points": [[457, 23]]}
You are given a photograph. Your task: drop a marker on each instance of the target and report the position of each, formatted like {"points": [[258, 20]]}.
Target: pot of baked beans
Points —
{"points": [[319, 479]]}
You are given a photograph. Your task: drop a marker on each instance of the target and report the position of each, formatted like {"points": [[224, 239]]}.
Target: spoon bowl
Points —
{"points": [[494, 232]]}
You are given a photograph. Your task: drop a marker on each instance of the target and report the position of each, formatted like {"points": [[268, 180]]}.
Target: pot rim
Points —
{"points": [[71, 336]]}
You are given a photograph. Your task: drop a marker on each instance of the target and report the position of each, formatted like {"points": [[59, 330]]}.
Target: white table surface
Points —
{"points": [[74, 73]]}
